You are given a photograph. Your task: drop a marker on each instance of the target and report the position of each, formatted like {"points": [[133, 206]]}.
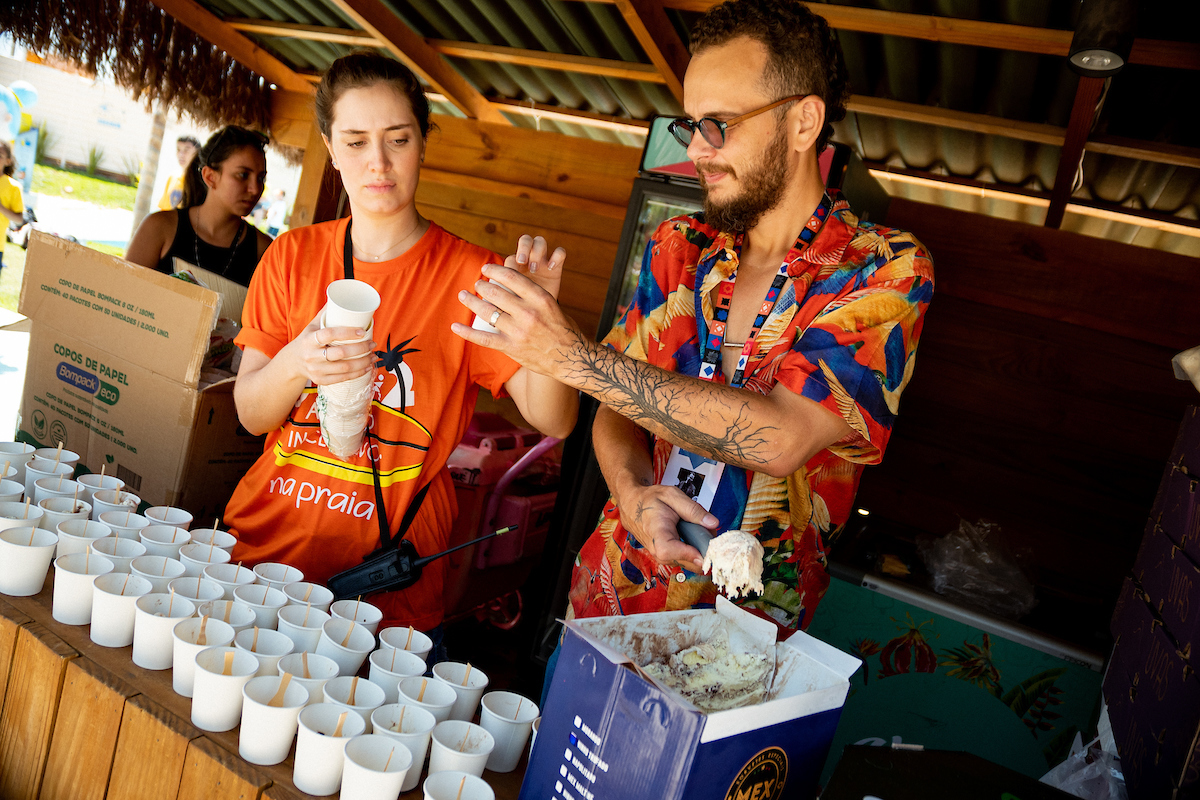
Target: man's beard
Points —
{"points": [[762, 189]]}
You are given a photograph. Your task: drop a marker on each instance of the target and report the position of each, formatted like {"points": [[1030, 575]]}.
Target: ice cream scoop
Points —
{"points": [[736, 561]]}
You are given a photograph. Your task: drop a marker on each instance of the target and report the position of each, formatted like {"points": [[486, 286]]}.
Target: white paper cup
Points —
{"points": [[429, 694], [229, 576], [154, 622], [388, 666], [52, 454], [368, 696], [125, 524], [276, 575], [264, 601], [114, 602], [364, 614], [508, 717], [237, 616], [59, 486], [460, 746], [13, 515], [159, 570], [398, 638], [320, 755], [25, 555], [468, 684], [217, 698], [11, 491], [196, 589], [375, 768], [164, 540], [105, 500], [320, 671], [350, 304], [351, 655], [74, 580], [10, 474], [303, 626], [121, 552], [61, 509], [268, 649], [481, 324], [169, 515], [18, 454], [38, 468], [223, 540], [454, 785], [415, 728], [184, 649], [301, 593], [267, 731], [195, 557], [94, 482], [77, 534], [537, 723]]}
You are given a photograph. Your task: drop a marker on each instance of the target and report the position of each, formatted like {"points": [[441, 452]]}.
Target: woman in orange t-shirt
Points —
{"points": [[299, 504]]}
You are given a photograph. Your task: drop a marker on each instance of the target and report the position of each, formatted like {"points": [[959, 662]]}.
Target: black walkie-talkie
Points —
{"points": [[392, 569]]}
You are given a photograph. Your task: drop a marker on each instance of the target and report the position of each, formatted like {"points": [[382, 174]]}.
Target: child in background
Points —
{"points": [[12, 206]]}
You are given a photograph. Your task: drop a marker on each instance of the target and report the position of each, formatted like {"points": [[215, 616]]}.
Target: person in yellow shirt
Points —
{"points": [[12, 206], [185, 148]]}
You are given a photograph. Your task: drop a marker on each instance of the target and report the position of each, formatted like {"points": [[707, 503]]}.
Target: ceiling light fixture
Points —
{"points": [[1103, 37]]}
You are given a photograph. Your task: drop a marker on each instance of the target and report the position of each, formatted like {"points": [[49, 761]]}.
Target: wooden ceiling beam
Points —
{"points": [[621, 124], [381, 22], [649, 23], [212, 29], [295, 30], [1083, 111], [959, 120], [585, 65]]}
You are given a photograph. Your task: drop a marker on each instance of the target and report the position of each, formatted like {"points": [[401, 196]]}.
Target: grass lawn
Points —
{"points": [[52, 181]]}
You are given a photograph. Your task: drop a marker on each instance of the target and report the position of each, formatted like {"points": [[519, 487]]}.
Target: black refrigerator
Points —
{"points": [[667, 186]]}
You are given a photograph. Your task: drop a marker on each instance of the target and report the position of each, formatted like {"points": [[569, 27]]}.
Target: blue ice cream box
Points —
{"points": [[611, 732]]}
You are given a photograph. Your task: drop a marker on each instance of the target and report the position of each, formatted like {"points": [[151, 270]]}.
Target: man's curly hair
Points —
{"points": [[803, 55]]}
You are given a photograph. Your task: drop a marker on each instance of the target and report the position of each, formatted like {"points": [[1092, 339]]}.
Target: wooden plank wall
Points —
{"points": [[1043, 396], [489, 184]]}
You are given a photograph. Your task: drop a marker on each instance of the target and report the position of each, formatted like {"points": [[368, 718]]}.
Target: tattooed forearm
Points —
{"points": [[709, 419]]}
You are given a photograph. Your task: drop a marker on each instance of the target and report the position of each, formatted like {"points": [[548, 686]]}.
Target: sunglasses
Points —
{"points": [[713, 130]]}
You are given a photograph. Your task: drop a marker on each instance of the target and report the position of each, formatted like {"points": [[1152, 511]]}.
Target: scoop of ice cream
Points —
{"points": [[736, 561], [712, 678]]}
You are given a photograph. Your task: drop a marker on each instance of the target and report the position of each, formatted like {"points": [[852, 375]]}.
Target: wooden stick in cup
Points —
{"points": [[202, 637], [75, 500], [254, 642], [103, 467], [164, 571], [349, 631], [228, 609], [467, 674], [126, 583], [353, 690], [5, 473], [277, 700], [228, 669], [304, 663], [463, 743], [341, 721], [171, 604], [393, 664], [421, 694], [460, 788], [58, 456], [32, 531], [307, 609], [400, 722], [517, 713], [60, 477], [128, 511], [26, 516], [408, 643], [308, 593], [357, 603], [389, 761], [211, 545]]}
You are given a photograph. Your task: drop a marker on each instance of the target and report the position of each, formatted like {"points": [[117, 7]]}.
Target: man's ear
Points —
{"points": [[806, 120]]}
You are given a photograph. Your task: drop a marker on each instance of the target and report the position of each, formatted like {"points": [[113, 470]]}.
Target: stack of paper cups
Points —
{"points": [[343, 407]]}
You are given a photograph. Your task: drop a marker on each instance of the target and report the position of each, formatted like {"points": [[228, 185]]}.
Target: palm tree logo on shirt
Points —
{"points": [[392, 360]]}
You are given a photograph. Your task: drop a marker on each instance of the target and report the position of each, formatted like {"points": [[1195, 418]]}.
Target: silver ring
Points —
{"points": [[495, 316], [326, 349]]}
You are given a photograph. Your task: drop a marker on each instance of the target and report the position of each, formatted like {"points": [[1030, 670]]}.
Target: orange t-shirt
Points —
{"points": [[302, 506]]}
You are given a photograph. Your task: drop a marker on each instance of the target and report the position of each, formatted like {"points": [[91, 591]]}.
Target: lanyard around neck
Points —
{"points": [[348, 253]]}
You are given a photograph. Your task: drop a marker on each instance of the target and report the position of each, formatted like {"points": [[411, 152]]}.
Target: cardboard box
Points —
{"points": [[608, 731], [115, 354]]}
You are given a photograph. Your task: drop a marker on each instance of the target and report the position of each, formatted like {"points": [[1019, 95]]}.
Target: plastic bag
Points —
{"points": [[971, 566], [1089, 772]]}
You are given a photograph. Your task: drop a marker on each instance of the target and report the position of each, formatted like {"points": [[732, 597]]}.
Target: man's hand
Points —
{"points": [[650, 513]]}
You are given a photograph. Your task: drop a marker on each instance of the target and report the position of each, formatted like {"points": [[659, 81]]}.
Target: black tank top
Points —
{"points": [[236, 263]]}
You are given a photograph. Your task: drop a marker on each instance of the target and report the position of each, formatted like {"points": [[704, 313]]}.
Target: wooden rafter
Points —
{"points": [[621, 124], [212, 29], [960, 120], [377, 19], [605, 67], [653, 30], [312, 33], [1083, 111]]}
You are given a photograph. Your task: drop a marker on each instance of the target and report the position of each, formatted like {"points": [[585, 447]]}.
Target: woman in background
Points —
{"points": [[221, 185], [12, 207]]}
